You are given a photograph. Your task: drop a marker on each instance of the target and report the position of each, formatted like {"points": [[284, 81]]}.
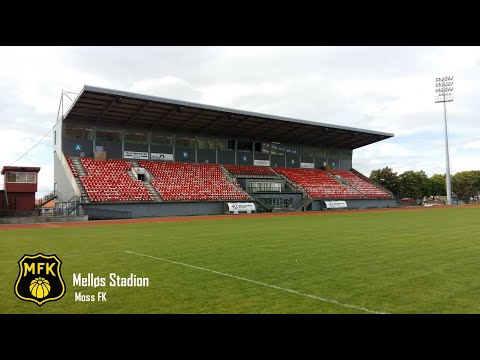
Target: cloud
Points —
{"points": [[472, 145], [168, 87], [13, 152]]}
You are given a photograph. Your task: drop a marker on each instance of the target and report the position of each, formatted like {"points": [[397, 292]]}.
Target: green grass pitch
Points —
{"points": [[400, 262]]}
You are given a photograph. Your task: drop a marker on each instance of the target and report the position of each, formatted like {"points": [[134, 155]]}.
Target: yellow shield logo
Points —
{"points": [[40, 279]]}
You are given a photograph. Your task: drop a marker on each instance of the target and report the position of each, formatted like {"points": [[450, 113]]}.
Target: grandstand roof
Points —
{"points": [[130, 110]]}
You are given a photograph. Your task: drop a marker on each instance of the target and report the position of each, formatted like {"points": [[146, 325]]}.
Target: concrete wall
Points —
{"points": [[277, 161], [371, 203], [361, 204], [65, 185], [163, 209], [345, 165], [113, 149], [135, 147], [292, 161], [226, 157], [307, 159], [185, 155], [69, 147], [206, 156], [162, 149], [261, 156], [244, 158]]}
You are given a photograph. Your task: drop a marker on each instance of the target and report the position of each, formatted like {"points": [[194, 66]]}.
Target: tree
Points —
{"points": [[476, 179], [414, 184], [438, 185], [464, 184], [387, 178]]}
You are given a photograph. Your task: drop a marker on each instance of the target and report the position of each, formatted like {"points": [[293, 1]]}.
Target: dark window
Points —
{"points": [[231, 144], [221, 144], [206, 143], [307, 151], [108, 135], [244, 145], [266, 148], [319, 152], [136, 138], [78, 133], [185, 142], [291, 149], [161, 139]]}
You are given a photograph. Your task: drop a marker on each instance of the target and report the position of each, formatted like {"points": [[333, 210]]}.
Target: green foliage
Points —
{"points": [[438, 185], [414, 184], [466, 184], [387, 178]]}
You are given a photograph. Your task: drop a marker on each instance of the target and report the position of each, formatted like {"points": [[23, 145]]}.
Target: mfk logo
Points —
{"points": [[39, 279]]}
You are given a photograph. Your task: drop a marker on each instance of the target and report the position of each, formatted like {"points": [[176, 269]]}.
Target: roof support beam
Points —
{"points": [[214, 121], [256, 127], [289, 129], [190, 119], [134, 116], [239, 122], [163, 117], [108, 108]]}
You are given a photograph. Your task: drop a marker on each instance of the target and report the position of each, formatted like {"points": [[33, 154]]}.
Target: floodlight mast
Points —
{"points": [[444, 89]]}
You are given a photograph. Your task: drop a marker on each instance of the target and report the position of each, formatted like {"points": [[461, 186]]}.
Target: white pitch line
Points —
{"points": [[331, 301]]}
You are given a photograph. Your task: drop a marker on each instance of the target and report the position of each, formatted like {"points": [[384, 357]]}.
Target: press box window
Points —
{"points": [[105, 135], [78, 133], [206, 143], [307, 151], [22, 177], [291, 150], [185, 142], [136, 138], [244, 145], [161, 139], [277, 149]]}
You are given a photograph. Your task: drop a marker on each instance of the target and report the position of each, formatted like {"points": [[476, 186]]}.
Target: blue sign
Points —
{"points": [[293, 161], [244, 158], [78, 147], [185, 154]]}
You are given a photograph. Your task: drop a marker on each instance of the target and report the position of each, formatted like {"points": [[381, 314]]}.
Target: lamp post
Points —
{"points": [[444, 89]]}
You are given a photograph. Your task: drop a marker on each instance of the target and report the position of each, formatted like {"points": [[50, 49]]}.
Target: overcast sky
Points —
{"points": [[389, 89]]}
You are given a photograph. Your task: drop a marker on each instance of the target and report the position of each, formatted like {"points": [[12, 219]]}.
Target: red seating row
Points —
{"points": [[250, 170], [318, 184], [109, 181], [186, 181], [72, 167], [359, 184]]}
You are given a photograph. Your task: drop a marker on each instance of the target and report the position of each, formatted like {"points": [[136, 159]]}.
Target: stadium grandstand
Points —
{"points": [[122, 154]]}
